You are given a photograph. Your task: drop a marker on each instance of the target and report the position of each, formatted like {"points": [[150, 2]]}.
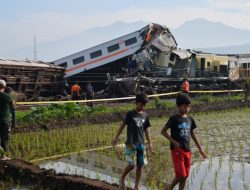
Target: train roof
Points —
{"points": [[107, 42], [27, 63]]}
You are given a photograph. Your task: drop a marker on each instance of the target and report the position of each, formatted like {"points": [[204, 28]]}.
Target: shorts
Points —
{"points": [[136, 155], [182, 162]]}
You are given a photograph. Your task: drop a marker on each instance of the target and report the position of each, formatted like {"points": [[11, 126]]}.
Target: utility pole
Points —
{"points": [[35, 49]]}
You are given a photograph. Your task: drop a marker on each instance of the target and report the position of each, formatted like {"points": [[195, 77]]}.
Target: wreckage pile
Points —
{"points": [[32, 79]]}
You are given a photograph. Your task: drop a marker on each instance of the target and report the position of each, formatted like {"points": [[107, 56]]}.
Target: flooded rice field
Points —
{"points": [[224, 136]]}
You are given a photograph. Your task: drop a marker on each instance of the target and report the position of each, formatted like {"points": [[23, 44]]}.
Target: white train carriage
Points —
{"points": [[101, 54]]}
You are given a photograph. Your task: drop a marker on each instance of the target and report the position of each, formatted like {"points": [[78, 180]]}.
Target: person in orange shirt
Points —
{"points": [[75, 92], [185, 86]]}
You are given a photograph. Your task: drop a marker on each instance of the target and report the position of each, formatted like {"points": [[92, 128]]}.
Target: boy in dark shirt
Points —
{"points": [[182, 128], [137, 122]]}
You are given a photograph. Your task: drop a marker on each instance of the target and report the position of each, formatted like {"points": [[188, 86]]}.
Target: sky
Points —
{"points": [[50, 20]]}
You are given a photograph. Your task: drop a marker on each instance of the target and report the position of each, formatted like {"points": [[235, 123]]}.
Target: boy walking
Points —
{"points": [[137, 122], [182, 128]]}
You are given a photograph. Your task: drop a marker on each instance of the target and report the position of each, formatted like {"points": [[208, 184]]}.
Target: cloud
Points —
{"points": [[50, 26], [47, 26], [237, 5], [176, 17]]}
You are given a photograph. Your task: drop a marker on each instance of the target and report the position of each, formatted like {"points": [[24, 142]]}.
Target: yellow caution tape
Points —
{"points": [[71, 153], [124, 98], [214, 91], [78, 152], [95, 100]]}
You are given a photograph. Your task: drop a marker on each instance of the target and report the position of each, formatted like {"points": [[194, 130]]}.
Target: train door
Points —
{"points": [[192, 66], [203, 65]]}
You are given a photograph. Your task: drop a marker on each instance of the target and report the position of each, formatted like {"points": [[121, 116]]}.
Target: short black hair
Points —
{"points": [[141, 98], [182, 99]]}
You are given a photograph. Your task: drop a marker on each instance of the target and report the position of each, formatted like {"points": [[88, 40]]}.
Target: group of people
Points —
{"points": [[89, 91], [7, 109], [182, 128]]}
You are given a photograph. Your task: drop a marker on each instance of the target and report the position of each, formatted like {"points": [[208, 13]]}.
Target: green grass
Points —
{"points": [[44, 114], [209, 98], [33, 145]]}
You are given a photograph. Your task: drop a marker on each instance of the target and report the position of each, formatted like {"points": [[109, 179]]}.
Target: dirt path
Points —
{"points": [[28, 174], [118, 116]]}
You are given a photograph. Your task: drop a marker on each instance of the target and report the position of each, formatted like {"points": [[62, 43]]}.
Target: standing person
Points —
{"points": [[90, 94], [12, 94], [65, 88], [137, 122], [75, 91], [182, 128], [6, 103], [185, 86]]}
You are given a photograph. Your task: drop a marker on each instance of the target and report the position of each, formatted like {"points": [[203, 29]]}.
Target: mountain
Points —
{"points": [[239, 49], [195, 34], [201, 33], [72, 44]]}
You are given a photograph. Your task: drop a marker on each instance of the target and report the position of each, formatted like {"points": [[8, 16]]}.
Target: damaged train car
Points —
{"points": [[159, 66], [148, 60], [32, 79], [111, 58]]}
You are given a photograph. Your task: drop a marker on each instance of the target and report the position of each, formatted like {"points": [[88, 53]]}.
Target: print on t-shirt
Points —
{"points": [[181, 130], [184, 129], [139, 121]]}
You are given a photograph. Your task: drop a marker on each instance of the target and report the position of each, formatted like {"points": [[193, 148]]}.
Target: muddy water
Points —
{"points": [[218, 173], [91, 165]]}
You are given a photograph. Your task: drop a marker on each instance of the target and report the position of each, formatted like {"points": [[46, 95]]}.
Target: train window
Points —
{"points": [[96, 54], [208, 64], [248, 65], [78, 60], [223, 69], [63, 65], [203, 64], [113, 48], [244, 65], [172, 56], [130, 41]]}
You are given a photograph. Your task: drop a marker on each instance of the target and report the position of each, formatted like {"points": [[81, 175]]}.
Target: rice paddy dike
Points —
{"points": [[74, 156]]}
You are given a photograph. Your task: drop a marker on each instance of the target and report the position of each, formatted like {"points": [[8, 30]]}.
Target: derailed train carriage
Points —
{"points": [[204, 71], [148, 60], [32, 80], [161, 67]]}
